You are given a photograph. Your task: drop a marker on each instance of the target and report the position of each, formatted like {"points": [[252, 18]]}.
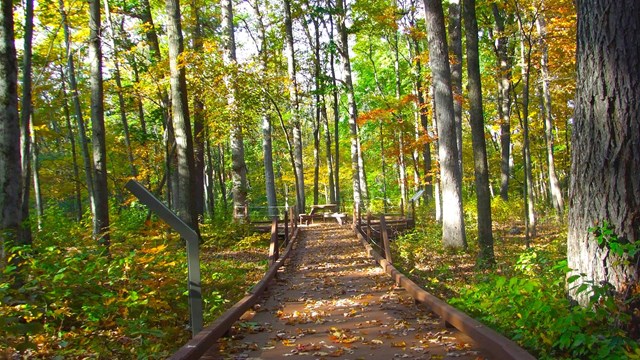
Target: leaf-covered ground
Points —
{"points": [[332, 301]]}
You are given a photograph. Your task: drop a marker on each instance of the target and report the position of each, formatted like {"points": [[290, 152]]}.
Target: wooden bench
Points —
{"points": [[322, 211]]}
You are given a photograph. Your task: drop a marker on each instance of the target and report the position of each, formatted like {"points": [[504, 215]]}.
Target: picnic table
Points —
{"points": [[322, 211]]}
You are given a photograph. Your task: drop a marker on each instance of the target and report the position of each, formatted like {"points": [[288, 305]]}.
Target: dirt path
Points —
{"points": [[332, 301]]}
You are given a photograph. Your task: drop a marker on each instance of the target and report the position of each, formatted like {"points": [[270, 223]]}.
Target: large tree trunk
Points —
{"points": [[10, 166], [295, 108], [455, 41], [74, 156], [605, 186], [554, 184], [26, 121], [77, 108], [238, 166], [343, 48], [453, 232], [184, 199], [100, 190], [481, 170]]}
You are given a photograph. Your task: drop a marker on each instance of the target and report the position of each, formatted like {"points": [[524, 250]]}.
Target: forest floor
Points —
{"points": [[331, 300]]}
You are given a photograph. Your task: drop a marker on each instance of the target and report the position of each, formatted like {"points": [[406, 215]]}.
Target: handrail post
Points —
{"points": [[286, 228], [369, 225], [359, 213], [385, 239], [273, 246]]}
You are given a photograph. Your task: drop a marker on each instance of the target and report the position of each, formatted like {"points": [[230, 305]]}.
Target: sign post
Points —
{"points": [[193, 249]]}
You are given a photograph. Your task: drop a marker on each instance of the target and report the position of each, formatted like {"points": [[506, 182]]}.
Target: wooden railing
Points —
{"points": [[206, 338]]}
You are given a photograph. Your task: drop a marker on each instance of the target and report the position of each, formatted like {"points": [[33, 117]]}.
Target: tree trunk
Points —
{"points": [[26, 122], [219, 165], [198, 119], [402, 168], [436, 186], [210, 183], [504, 98], [605, 186], [10, 166], [77, 108], [481, 169], [343, 48], [554, 184], [455, 40], [184, 199], [238, 166], [101, 191], [267, 146], [453, 232], [74, 156], [336, 119]]}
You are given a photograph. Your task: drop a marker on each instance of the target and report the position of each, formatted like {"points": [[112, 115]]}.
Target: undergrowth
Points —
{"points": [[75, 302], [525, 295]]}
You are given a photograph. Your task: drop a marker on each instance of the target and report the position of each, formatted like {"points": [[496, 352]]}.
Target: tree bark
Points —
{"points": [[184, 198], [453, 232], [455, 41], [10, 166], [605, 186], [343, 46], [336, 118], [26, 122], [198, 119], [74, 156], [504, 98], [554, 185], [481, 169], [101, 191]]}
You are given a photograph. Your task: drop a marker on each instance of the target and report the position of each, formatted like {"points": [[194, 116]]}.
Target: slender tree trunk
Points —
{"points": [[383, 168], [336, 119], [77, 107], [402, 168], [481, 169], [101, 191], [343, 46], [26, 121], [74, 156], [210, 183], [554, 184], [453, 232], [121, 103], [329, 157], [436, 187], [455, 41], [198, 119], [10, 166], [184, 199], [219, 164], [37, 193], [238, 166], [605, 186], [504, 96]]}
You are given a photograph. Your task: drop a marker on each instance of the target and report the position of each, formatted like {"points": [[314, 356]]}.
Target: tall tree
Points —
{"points": [[100, 190], [184, 199], [481, 170], [453, 233], [10, 166], [25, 121], [554, 185], [238, 166], [336, 112], [198, 117], [295, 107], [605, 185], [343, 49], [504, 99], [455, 41]]}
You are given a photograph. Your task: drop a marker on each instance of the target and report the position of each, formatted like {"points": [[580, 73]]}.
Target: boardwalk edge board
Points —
{"points": [[199, 345], [494, 343]]}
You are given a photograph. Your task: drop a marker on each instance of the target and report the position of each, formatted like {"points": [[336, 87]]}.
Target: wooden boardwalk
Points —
{"points": [[332, 301]]}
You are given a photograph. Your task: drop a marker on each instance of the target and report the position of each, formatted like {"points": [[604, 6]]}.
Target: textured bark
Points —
{"points": [[481, 169], [504, 98], [77, 107], [74, 156], [343, 46], [402, 167], [295, 108], [198, 119], [605, 185], [554, 185], [10, 166], [25, 123], [336, 119], [100, 190], [238, 166], [453, 233], [184, 203], [455, 48]]}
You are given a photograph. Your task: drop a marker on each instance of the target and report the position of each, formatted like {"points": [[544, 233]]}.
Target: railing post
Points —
{"points": [[286, 228], [359, 213], [401, 207], [385, 239], [273, 247], [369, 225], [413, 214]]}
